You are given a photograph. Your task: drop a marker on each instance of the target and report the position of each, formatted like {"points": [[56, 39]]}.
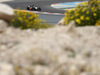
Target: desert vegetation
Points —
{"points": [[87, 13], [25, 20]]}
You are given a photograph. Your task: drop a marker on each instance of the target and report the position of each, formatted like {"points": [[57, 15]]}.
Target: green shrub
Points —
{"points": [[84, 13], [24, 20]]}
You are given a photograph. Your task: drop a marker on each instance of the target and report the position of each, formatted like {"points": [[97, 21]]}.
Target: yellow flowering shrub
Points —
{"points": [[25, 20], [97, 22], [86, 13]]}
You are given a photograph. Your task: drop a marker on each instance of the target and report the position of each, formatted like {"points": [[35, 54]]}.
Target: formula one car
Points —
{"points": [[33, 8]]}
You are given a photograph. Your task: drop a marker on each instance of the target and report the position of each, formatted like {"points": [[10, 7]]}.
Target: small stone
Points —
{"points": [[3, 25], [6, 69], [41, 70]]}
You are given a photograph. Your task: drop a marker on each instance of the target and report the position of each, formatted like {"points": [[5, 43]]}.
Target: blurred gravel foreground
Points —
{"points": [[57, 51], [62, 50]]}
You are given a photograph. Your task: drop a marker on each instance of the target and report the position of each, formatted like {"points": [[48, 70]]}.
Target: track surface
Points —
{"points": [[45, 6]]}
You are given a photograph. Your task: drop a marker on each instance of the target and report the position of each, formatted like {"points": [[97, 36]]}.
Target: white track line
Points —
{"points": [[43, 12], [64, 7], [5, 0]]}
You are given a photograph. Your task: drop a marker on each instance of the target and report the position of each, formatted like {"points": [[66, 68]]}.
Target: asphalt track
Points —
{"points": [[45, 6]]}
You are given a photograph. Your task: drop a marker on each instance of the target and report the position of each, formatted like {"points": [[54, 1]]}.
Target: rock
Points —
{"points": [[3, 25], [71, 29], [61, 22], [6, 69], [6, 12]]}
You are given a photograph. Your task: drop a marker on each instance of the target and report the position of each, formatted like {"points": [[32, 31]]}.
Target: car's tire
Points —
{"points": [[39, 9], [28, 8], [33, 9]]}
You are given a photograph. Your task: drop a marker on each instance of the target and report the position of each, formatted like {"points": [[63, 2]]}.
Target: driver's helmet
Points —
{"points": [[33, 6], [28, 6]]}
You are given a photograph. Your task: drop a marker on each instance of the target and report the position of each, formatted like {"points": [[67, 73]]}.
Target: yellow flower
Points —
{"points": [[66, 13], [85, 3], [70, 10], [75, 9], [97, 24], [72, 17], [17, 12], [98, 1], [92, 1], [78, 21], [20, 18], [78, 6], [82, 17], [83, 9], [23, 10], [93, 8], [87, 12], [95, 14], [31, 17], [24, 17], [28, 25], [87, 18], [77, 14]]}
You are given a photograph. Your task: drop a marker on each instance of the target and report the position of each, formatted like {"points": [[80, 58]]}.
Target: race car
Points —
{"points": [[33, 8]]}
